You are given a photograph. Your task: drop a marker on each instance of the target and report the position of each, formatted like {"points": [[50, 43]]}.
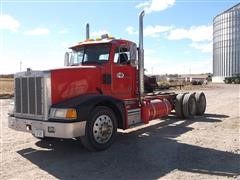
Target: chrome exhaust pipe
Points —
{"points": [[87, 31], [141, 57]]}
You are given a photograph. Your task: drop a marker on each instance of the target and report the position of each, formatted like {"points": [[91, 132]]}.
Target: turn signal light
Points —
{"points": [[63, 113], [71, 114]]}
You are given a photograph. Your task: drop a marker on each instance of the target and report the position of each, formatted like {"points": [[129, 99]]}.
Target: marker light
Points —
{"points": [[111, 37]]}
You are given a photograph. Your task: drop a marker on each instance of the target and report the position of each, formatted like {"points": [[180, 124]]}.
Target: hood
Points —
{"points": [[73, 81]]}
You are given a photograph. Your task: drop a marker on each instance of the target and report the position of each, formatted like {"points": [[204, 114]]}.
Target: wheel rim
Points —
{"points": [[102, 129]]}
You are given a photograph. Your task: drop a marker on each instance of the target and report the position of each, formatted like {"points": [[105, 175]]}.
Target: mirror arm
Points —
{"points": [[66, 59]]}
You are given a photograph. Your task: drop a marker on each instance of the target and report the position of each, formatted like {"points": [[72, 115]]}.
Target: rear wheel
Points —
{"points": [[178, 105], [189, 106], [237, 81], [100, 129], [226, 81], [201, 103]]}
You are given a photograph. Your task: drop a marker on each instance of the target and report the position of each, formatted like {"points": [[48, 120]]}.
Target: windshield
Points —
{"points": [[90, 54]]}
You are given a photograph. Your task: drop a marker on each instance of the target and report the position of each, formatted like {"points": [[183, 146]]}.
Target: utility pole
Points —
{"points": [[20, 66]]}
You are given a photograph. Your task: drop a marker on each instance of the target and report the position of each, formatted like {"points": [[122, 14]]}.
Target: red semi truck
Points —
{"points": [[100, 90]]}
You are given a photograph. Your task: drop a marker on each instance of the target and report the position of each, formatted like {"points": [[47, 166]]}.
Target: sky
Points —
{"points": [[177, 33]]}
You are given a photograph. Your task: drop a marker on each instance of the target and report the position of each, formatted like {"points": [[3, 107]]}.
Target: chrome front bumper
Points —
{"points": [[48, 129]]}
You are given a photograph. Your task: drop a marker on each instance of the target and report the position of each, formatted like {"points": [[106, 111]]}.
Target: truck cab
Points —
{"points": [[113, 67]]}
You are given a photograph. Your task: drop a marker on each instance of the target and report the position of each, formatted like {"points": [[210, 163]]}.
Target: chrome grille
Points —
{"points": [[29, 95]]}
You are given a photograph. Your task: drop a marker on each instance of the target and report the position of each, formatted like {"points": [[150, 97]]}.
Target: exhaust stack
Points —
{"points": [[141, 57], [87, 31]]}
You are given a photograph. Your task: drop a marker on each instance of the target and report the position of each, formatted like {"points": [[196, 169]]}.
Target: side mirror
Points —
{"points": [[66, 59], [133, 55]]}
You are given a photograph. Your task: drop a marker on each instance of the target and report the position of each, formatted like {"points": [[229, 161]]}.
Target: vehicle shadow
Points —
{"points": [[147, 153]]}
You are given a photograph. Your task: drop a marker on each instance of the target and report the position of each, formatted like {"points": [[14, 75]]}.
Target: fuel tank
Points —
{"points": [[73, 81], [153, 109]]}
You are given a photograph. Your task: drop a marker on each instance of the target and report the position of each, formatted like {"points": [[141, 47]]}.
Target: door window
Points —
{"points": [[121, 55], [125, 55]]}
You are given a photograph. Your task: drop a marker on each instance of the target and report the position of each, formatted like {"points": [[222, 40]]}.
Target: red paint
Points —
{"points": [[153, 109], [71, 82]]}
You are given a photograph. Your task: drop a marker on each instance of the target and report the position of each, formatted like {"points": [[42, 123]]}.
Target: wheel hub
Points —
{"points": [[102, 129]]}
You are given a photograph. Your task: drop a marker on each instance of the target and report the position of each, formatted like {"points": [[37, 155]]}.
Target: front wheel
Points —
{"points": [[101, 129]]}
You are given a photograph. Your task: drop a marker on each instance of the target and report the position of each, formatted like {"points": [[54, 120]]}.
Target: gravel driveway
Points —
{"points": [[206, 147]]}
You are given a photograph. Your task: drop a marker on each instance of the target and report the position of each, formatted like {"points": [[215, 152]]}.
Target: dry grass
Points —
{"points": [[6, 87]]}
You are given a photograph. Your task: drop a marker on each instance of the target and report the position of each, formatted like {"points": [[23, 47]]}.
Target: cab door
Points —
{"points": [[123, 73]]}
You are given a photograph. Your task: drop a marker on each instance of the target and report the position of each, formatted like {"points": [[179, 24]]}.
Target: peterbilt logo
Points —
{"points": [[120, 75]]}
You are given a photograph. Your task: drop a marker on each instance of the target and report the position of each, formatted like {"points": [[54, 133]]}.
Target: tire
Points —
{"points": [[189, 106], [237, 81], [201, 103], [178, 105], [100, 130]]}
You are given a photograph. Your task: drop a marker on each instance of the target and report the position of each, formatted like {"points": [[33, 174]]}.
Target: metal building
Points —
{"points": [[226, 44]]}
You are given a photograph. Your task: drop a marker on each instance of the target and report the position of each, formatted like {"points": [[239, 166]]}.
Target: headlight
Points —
{"points": [[60, 113]]}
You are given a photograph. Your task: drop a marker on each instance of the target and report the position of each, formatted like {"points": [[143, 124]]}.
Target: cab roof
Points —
{"points": [[100, 41]]}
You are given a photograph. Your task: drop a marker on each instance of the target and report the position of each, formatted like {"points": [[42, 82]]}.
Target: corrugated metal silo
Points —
{"points": [[226, 44]]}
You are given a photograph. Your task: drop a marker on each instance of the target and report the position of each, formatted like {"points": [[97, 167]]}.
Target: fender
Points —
{"points": [[84, 105]]}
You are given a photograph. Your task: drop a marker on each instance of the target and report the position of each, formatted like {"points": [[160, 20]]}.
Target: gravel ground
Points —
{"points": [[206, 147]]}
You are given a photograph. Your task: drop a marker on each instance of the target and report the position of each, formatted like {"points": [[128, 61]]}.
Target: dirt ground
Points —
{"points": [[206, 147]]}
